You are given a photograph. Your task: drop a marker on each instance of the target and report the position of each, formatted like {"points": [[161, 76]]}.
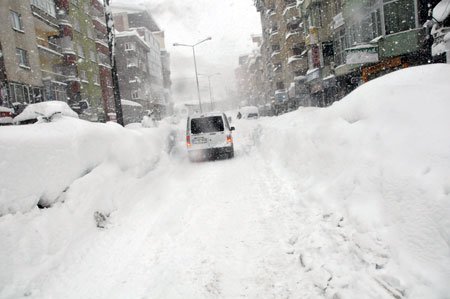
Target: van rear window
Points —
{"points": [[207, 125]]}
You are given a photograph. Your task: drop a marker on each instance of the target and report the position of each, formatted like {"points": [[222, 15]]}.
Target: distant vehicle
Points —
{"points": [[6, 116], [45, 111], [209, 136], [249, 112]]}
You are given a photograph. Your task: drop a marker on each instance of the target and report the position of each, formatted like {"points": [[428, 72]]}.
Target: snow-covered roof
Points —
{"points": [[132, 33], [442, 10]]}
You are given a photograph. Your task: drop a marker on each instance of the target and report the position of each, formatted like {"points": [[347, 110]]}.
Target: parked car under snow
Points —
{"points": [[45, 111]]}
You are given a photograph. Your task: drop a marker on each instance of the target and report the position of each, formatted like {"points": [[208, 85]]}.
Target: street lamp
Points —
{"points": [[210, 90], [195, 66]]}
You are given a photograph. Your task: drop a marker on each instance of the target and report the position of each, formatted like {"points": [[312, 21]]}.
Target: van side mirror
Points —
{"points": [[232, 128]]}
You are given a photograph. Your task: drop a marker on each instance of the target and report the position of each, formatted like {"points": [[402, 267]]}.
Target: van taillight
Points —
{"points": [[229, 140], [5, 114], [188, 140]]}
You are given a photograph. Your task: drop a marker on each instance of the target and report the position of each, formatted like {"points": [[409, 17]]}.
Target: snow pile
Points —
{"points": [[379, 161], [41, 161], [442, 10]]}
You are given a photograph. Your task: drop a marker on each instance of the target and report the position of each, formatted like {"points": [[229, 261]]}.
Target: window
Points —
{"points": [[339, 46], [280, 85], [207, 125], [399, 15], [96, 79], [76, 24], [130, 46], [132, 62], [20, 93], [108, 81], [83, 76], [16, 21], [86, 8], [297, 50], [47, 6], [89, 33], [135, 95], [93, 56], [103, 59], [22, 57], [80, 51]]}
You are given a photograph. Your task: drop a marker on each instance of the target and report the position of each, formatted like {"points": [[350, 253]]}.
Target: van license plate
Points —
{"points": [[199, 140]]}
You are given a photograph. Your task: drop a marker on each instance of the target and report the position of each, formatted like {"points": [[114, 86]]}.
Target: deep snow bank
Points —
{"points": [[381, 158], [39, 162]]}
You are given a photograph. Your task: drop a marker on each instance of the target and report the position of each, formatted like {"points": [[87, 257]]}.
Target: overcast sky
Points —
{"points": [[230, 23]]}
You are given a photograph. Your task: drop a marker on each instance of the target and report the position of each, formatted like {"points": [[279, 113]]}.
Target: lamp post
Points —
{"points": [[195, 66], [210, 90]]}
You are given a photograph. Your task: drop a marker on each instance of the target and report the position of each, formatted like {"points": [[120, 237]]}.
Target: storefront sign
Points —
{"points": [[315, 56], [382, 66], [362, 54]]}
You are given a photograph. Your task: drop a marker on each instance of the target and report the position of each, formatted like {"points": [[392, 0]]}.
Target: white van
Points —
{"points": [[249, 112], [209, 136]]}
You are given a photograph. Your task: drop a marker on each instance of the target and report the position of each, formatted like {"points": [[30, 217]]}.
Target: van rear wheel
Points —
{"points": [[231, 155]]}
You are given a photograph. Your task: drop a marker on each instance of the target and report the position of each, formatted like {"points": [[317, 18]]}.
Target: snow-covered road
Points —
{"points": [[223, 229], [352, 201]]}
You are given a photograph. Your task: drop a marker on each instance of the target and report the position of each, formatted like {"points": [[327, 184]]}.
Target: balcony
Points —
{"points": [[294, 34], [50, 47], [291, 9]]}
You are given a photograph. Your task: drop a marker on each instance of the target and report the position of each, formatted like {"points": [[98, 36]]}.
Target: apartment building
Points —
{"points": [[50, 52], [283, 52], [85, 47], [103, 57], [317, 51], [133, 68], [54, 50], [21, 81], [130, 22]]}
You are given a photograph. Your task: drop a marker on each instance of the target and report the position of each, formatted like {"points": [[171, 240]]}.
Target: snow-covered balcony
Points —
{"points": [[276, 56], [298, 63], [290, 9], [294, 34]]}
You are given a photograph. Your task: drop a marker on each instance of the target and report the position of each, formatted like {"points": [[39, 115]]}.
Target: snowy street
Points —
{"points": [[351, 201]]}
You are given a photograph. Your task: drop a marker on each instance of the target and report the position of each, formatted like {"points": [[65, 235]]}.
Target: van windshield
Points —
{"points": [[207, 125]]}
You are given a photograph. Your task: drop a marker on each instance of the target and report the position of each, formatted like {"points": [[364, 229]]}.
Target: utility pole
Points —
{"points": [[195, 66], [210, 89], [112, 56]]}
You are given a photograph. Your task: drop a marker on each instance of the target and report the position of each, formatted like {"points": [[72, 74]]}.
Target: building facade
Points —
{"points": [[155, 85], [52, 51], [133, 68], [317, 51], [22, 78]]}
